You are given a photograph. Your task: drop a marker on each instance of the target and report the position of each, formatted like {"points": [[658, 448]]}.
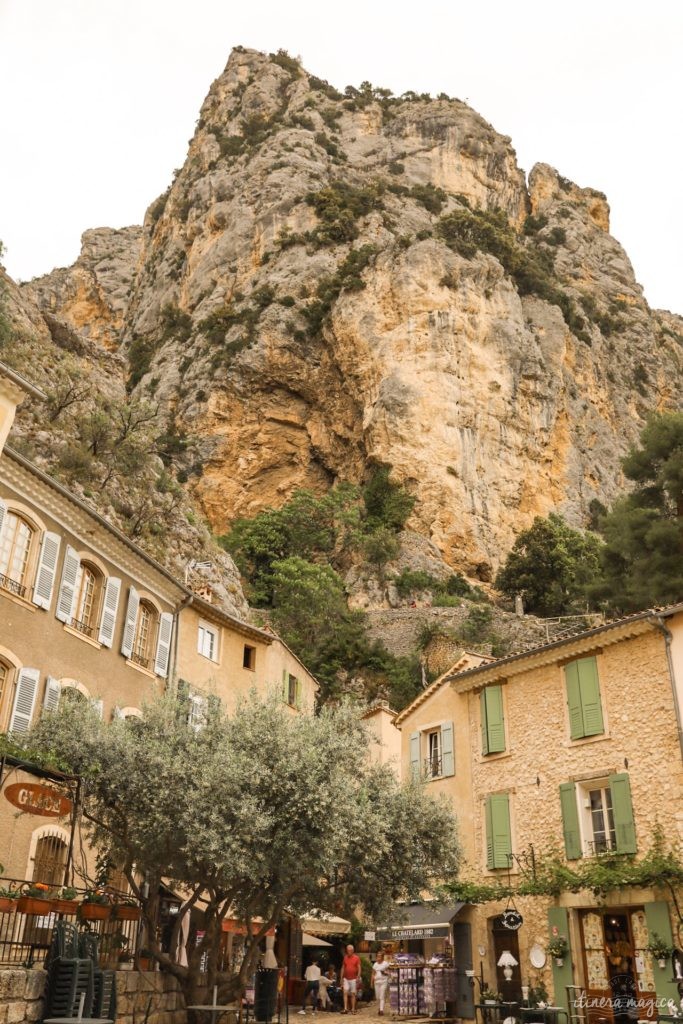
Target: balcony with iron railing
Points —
{"points": [[432, 768], [82, 627], [141, 660], [27, 921], [10, 585]]}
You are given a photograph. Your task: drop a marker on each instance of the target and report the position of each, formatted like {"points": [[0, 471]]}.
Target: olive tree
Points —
{"points": [[249, 816]]}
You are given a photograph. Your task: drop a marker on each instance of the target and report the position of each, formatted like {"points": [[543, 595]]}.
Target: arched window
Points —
{"points": [[49, 859], [145, 634], [88, 597], [16, 537]]}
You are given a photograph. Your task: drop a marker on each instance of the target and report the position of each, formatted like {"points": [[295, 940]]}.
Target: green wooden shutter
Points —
{"points": [[659, 921], [571, 675], [558, 924], [447, 753], [484, 723], [622, 809], [498, 837], [488, 815], [415, 755], [570, 820], [591, 705], [494, 719]]}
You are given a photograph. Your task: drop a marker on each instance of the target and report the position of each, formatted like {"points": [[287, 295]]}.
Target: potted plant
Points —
{"points": [[558, 947], [35, 899], [145, 960], [8, 900], [489, 997], [125, 960], [127, 910], [65, 901], [95, 906], [659, 950]]}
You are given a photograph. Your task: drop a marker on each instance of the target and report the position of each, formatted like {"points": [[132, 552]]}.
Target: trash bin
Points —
{"points": [[265, 994]]}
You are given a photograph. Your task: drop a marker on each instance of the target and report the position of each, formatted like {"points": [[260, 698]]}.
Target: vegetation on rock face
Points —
{"points": [[290, 557], [550, 566], [259, 851], [339, 206], [642, 560], [468, 232]]}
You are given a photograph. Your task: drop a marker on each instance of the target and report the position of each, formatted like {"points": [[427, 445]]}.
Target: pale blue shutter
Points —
{"points": [[163, 644], [131, 620], [447, 750], [53, 690], [415, 755], [110, 606], [47, 570], [24, 700], [66, 600]]}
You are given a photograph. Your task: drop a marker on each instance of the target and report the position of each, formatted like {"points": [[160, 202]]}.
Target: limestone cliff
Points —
{"points": [[335, 281]]}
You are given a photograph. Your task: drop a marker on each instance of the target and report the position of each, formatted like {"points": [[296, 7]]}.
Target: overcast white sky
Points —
{"points": [[101, 96]]}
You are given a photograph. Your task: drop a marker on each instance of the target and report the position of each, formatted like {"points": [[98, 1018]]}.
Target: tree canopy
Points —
{"points": [[550, 565], [642, 560], [250, 816]]}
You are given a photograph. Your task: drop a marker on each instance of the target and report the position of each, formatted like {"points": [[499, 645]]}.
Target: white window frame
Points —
{"points": [[433, 765], [203, 629], [588, 842]]}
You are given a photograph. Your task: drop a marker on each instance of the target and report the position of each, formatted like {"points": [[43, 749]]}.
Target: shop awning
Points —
{"points": [[422, 921], [325, 924], [313, 940]]}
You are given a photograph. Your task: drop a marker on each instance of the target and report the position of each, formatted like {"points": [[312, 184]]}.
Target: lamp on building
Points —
{"points": [[507, 962]]}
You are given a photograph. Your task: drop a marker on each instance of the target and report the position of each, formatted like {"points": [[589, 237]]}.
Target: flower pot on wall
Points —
{"points": [[662, 963], [94, 911], [124, 912], [65, 906], [559, 960], [7, 905], [33, 905]]}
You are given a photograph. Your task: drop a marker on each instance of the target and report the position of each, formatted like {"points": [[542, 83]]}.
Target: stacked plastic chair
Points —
{"points": [[104, 993], [70, 976]]}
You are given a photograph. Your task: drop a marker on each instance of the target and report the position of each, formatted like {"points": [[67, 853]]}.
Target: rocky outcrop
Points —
{"points": [[92, 296], [335, 281]]}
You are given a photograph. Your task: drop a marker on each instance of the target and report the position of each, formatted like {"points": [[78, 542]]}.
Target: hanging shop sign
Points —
{"points": [[436, 931], [512, 919], [33, 798]]}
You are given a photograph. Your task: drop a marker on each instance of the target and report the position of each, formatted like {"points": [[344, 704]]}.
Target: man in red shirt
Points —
{"points": [[350, 973]]}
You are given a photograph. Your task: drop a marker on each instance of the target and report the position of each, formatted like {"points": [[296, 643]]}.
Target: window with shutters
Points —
{"points": [[432, 754], [584, 703], [498, 831], [88, 598], [17, 540], [597, 817], [293, 691], [249, 657], [145, 635], [207, 641], [492, 720]]}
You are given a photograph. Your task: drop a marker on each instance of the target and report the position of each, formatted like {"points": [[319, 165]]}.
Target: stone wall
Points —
{"points": [[22, 990]]}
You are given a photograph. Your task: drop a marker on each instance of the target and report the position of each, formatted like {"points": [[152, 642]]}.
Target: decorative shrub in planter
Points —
{"points": [[35, 899], [127, 912], [95, 907], [489, 997], [558, 947], [659, 950], [65, 902], [8, 900]]}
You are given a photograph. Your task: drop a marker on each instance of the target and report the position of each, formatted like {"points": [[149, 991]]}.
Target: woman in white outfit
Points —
{"points": [[380, 979]]}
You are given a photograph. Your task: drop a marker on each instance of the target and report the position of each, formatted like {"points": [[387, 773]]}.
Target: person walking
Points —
{"points": [[351, 975], [312, 976], [380, 979]]}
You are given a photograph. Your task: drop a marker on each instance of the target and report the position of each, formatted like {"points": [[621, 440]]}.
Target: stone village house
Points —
{"points": [[576, 744], [84, 609]]}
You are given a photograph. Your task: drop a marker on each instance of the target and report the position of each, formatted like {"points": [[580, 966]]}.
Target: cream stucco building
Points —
{"points": [[84, 609]]}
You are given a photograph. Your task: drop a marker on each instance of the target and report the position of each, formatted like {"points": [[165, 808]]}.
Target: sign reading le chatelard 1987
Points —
{"points": [[32, 798]]}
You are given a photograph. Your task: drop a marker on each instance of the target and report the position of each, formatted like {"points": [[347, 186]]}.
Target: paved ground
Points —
{"points": [[366, 1012]]}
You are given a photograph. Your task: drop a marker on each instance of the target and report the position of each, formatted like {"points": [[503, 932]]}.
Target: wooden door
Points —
{"points": [[462, 942], [505, 940], [617, 992]]}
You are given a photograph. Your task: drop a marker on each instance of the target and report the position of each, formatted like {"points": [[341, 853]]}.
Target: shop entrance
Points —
{"points": [[620, 985], [505, 940]]}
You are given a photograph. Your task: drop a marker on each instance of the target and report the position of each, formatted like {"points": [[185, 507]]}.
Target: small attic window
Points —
{"points": [[249, 658]]}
